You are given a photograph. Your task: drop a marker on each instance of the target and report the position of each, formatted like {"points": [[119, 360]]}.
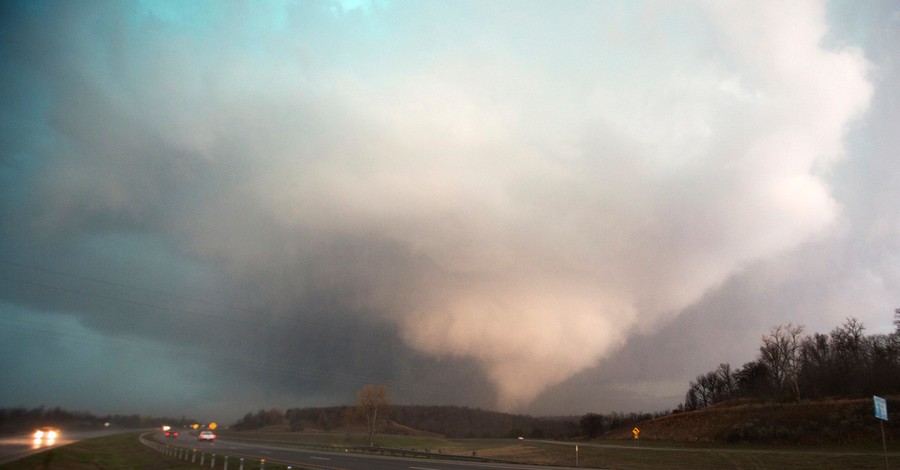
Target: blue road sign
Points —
{"points": [[880, 408]]}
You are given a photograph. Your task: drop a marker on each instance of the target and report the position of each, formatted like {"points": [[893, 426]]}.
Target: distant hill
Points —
{"points": [[825, 421], [736, 421], [445, 421], [455, 421]]}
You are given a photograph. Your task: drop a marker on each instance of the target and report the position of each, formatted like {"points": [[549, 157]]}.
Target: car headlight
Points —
{"points": [[38, 434], [51, 435]]}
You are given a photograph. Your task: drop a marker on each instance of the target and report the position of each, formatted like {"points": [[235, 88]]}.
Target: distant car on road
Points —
{"points": [[207, 436], [172, 433], [47, 433]]}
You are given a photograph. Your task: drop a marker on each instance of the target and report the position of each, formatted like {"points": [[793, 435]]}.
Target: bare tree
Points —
{"points": [[705, 387], [780, 352], [691, 401], [727, 386], [848, 342], [371, 403]]}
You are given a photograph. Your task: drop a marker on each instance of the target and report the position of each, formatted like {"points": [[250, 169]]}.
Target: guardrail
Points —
{"points": [[204, 458]]}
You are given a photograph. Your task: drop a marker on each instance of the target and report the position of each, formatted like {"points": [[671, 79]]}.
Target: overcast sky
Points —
{"points": [[208, 208]]}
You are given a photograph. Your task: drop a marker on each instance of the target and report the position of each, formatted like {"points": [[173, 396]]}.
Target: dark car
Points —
{"points": [[172, 433]]}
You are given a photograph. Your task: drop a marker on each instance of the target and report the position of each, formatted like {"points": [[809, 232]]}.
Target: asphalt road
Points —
{"points": [[18, 447], [305, 458]]}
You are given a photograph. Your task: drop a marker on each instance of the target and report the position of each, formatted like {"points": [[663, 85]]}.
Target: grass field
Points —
{"points": [[124, 451]]}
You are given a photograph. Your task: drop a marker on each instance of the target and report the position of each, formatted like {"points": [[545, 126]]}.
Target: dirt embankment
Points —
{"points": [[827, 421]]}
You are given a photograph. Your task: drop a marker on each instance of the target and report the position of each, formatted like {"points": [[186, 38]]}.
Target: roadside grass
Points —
{"points": [[121, 451]]}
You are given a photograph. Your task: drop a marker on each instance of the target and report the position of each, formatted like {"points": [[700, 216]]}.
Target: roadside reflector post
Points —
{"points": [[194, 456], [226, 463], [576, 455], [212, 461], [262, 464], [202, 457], [242, 464]]}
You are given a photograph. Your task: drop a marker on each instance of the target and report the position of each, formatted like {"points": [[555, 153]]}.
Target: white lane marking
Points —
{"points": [[319, 458]]}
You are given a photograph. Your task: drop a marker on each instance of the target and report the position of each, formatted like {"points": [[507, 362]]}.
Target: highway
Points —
{"points": [[313, 459]]}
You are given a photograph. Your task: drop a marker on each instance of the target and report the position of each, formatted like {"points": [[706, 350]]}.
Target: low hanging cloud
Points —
{"points": [[521, 187]]}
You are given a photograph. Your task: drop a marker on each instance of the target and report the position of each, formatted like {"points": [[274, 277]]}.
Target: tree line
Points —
{"points": [[448, 421], [372, 403], [19, 419], [793, 366], [593, 425]]}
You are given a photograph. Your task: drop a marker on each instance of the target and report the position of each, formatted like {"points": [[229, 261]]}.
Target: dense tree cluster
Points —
{"points": [[792, 366], [262, 418], [325, 418], [456, 421], [594, 425]]}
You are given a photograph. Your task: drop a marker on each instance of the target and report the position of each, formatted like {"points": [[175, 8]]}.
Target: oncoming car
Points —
{"points": [[206, 436], [46, 433]]}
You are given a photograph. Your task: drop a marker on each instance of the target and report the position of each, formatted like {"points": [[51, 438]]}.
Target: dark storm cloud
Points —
{"points": [[289, 201]]}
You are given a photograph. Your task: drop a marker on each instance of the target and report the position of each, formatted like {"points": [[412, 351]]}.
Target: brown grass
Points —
{"points": [[838, 421]]}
